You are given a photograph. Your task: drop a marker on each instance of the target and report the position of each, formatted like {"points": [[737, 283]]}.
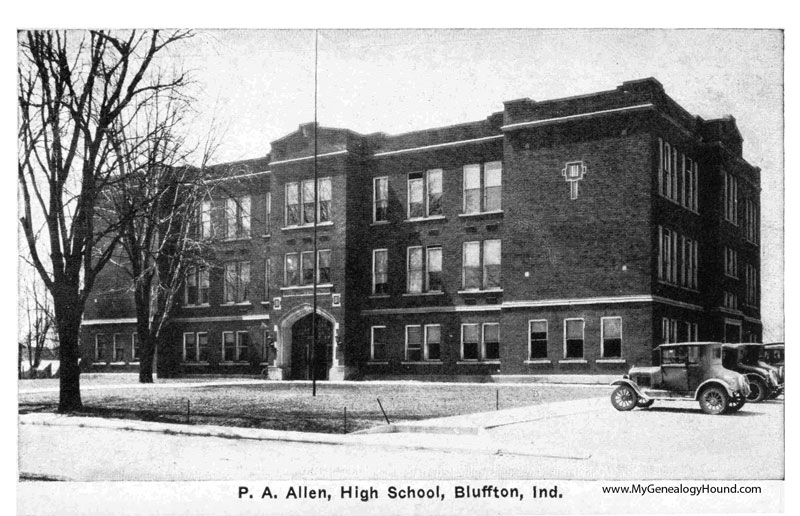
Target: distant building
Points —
{"points": [[555, 237]]}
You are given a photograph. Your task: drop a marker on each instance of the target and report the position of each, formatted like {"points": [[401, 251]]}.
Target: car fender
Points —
{"points": [[632, 386], [705, 384]]}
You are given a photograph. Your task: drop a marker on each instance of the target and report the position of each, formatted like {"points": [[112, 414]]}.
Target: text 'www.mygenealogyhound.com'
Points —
{"points": [[681, 489]]}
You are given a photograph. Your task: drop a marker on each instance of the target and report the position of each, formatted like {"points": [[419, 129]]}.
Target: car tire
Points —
{"points": [[713, 400], [624, 398], [758, 390], [645, 403], [734, 404]]}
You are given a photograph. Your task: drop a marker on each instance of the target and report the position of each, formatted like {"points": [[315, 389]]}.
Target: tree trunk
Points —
{"points": [[69, 381], [146, 361]]}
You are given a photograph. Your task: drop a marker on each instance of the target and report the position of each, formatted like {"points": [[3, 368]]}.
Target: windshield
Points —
{"points": [[750, 355]]}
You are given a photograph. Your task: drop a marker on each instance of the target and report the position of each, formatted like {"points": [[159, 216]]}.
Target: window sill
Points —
{"points": [[478, 362], [204, 305], [265, 303], [379, 296], [307, 226], [378, 362], [236, 239], [488, 291], [539, 361], [573, 361], [480, 213], [235, 362], [300, 287], [610, 361], [187, 363], [431, 293], [425, 219], [380, 223], [421, 362], [117, 363], [266, 236], [243, 303]]}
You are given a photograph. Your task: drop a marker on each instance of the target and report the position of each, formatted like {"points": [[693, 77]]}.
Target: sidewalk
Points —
{"points": [[456, 433]]}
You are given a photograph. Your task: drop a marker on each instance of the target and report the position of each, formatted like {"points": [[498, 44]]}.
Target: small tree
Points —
{"points": [[38, 315], [76, 92]]}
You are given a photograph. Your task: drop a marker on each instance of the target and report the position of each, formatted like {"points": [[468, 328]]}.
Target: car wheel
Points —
{"points": [[713, 400], [645, 404], [758, 390], [624, 398], [735, 404]]}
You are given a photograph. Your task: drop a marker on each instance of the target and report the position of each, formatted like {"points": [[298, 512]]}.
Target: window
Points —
{"points": [[731, 198], [196, 287], [424, 271], [414, 343], [668, 171], [228, 346], [291, 276], [731, 262], [688, 263], [205, 220], [481, 265], [537, 339], [267, 212], [751, 285], [730, 300], [678, 355], [433, 342], [300, 202], [425, 194], [323, 267], [307, 266], [573, 338], [669, 330], [380, 199], [433, 280], [667, 255], [242, 346], [195, 347], [119, 349], [237, 282], [101, 347], [689, 197], [692, 334], [469, 342], [611, 336], [491, 341], [751, 221], [378, 343], [267, 269], [237, 217], [380, 275], [483, 187], [135, 347]]}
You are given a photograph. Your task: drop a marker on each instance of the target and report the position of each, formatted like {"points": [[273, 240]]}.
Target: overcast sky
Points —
{"points": [[257, 86]]}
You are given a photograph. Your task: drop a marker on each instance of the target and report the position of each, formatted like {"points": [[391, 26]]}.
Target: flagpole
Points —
{"points": [[316, 221]]}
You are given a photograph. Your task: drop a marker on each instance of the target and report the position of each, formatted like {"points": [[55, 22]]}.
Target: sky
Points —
{"points": [[255, 86]]}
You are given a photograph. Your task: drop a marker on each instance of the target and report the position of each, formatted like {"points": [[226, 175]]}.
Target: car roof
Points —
{"points": [[774, 345], [736, 345], [681, 344]]}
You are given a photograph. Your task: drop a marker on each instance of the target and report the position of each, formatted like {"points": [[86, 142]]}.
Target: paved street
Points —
{"points": [[584, 439]]}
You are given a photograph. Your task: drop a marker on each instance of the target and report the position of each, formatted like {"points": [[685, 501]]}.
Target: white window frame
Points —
{"points": [[603, 337], [426, 174], [238, 284], [583, 338], [267, 213], [372, 344], [97, 348], [731, 257], [238, 347], [233, 333], [478, 330], [483, 355], [206, 225], [114, 338], [421, 344], [237, 213], [375, 199], [135, 358], [408, 269], [185, 350], [294, 185], [298, 270], [374, 275], [482, 244], [546, 338], [319, 267], [731, 198], [483, 188], [425, 344]]}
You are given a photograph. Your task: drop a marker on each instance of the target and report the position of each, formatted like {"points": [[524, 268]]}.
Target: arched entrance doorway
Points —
{"points": [[302, 342]]}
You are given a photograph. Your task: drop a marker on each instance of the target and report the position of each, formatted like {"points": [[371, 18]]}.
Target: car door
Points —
{"points": [[674, 369]]}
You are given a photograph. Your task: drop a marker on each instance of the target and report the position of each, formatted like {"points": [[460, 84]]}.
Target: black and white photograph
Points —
{"points": [[399, 271]]}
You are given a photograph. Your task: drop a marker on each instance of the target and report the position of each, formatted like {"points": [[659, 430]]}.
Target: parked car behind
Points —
{"points": [[774, 356], [748, 359], [688, 371]]}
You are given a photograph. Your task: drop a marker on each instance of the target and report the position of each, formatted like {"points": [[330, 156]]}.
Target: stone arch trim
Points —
{"points": [[284, 336]]}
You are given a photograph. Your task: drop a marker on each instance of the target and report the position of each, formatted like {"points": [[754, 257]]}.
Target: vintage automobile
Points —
{"points": [[773, 355], [747, 359], [687, 371]]}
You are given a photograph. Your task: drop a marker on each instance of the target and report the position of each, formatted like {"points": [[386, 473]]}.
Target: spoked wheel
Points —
{"points": [[758, 390], [714, 400], [624, 398], [736, 403], [645, 403]]}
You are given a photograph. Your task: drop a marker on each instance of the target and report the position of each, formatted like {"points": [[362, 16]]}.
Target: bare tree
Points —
{"points": [[76, 92], [38, 315]]}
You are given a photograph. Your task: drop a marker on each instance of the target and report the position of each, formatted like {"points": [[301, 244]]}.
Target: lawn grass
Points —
{"points": [[290, 406]]}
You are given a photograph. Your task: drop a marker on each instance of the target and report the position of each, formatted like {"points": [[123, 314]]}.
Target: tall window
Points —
{"points": [[195, 347], [751, 221], [205, 219], [119, 349], [667, 255], [470, 342], [731, 198], [573, 338], [537, 339], [135, 347], [414, 343], [491, 341], [380, 199], [378, 343], [668, 171], [267, 269], [237, 217], [242, 346], [751, 285], [688, 263], [425, 194], [380, 271], [267, 212], [196, 287], [101, 347], [424, 269], [433, 342], [307, 265], [730, 300], [237, 282], [480, 342], [324, 266], [483, 187], [433, 278], [689, 197], [228, 346], [481, 265], [731, 262], [291, 274], [300, 202], [669, 330], [611, 336]]}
